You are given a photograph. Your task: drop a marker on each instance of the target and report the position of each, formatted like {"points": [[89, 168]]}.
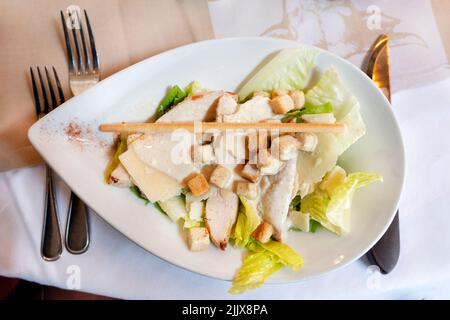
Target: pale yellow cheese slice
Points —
{"points": [[156, 185]]}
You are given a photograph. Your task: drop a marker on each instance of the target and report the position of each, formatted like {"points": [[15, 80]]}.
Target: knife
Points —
{"points": [[386, 251]]}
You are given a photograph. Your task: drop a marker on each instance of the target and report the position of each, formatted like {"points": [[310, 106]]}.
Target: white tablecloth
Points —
{"points": [[115, 266]]}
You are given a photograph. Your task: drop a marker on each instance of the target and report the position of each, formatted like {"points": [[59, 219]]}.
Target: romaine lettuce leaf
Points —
{"points": [[333, 211], [308, 109], [312, 166], [189, 222], [256, 268], [331, 89], [173, 97], [114, 162], [175, 208], [264, 260], [364, 178], [280, 251], [193, 88], [247, 221], [289, 69], [138, 193]]}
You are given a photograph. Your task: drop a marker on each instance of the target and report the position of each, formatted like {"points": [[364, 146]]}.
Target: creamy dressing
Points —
{"points": [[172, 156], [254, 110], [275, 201], [196, 108]]}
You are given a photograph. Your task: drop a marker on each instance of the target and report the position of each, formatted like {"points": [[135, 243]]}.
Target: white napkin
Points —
{"points": [[349, 28], [114, 266]]}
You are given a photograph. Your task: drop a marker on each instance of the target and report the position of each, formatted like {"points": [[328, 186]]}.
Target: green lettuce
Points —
{"points": [[330, 88], [280, 252], [313, 226], [308, 109], [193, 88], [256, 268], [265, 258], [175, 208], [157, 205], [333, 210], [189, 223], [295, 203], [114, 162], [247, 221], [289, 69], [263, 261], [138, 193], [173, 97]]}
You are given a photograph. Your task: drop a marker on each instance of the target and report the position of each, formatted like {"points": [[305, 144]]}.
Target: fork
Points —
{"points": [[51, 244], [84, 72]]}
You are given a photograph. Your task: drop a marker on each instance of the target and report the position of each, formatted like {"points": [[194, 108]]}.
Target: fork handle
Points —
{"points": [[51, 245], [77, 229]]}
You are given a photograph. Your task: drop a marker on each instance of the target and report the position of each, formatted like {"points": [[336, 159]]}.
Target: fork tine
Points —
{"points": [[83, 42], [44, 93], [68, 46], [37, 102], [75, 40], [58, 85], [50, 88], [95, 60]]}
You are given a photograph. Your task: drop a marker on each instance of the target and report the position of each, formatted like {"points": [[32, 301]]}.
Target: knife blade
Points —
{"points": [[386, 251]]}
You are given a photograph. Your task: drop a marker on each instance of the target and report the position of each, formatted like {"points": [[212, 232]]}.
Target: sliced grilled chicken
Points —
{"points": [[276, 199], [254, 110], [227, 105], [220, 215], [200, 107]]}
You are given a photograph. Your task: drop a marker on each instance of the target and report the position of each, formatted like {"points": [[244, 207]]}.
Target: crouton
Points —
{"points": [[282, 104], [285, 147], [221, 176], [299, 99], [226, 105], [198, 185], [256, 140], [307, 141], [198, 239], [277, 93], [250, 172], [263, 232]]}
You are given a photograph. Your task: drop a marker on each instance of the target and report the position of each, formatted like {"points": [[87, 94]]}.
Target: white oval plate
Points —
{"points": [[133, 94]]}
